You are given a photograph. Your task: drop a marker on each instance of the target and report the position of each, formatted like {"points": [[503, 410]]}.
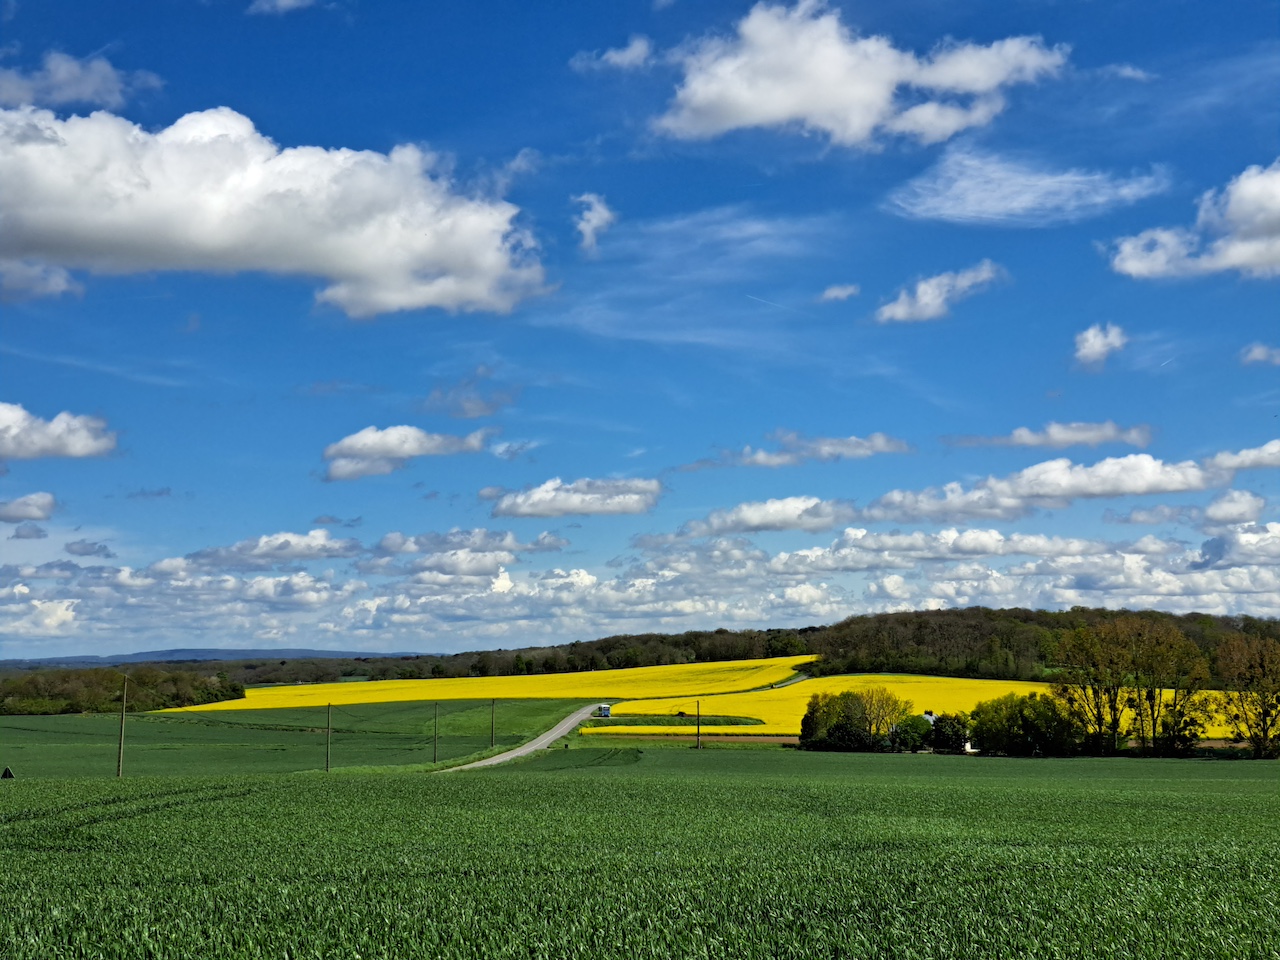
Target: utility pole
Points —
{"points": [[699, 747], [124, 700], [328, 737], [435, 736], [493, 723]]}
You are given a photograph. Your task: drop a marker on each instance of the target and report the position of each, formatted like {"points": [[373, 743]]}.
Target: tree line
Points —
{"points": [[98, 690], [979, 642], [1130, 682]]}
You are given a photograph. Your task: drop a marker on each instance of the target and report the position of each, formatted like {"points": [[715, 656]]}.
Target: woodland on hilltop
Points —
{"points": [[97, 690], [1011, 644]]}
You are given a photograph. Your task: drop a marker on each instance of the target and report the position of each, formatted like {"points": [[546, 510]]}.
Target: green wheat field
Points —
{"points": [[618, 851]]}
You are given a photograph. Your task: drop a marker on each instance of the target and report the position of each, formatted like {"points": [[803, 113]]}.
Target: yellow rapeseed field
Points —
{"points": [[781, 709], [670, 681]]}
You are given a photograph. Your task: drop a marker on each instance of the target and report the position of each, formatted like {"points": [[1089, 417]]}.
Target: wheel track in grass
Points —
{"points": [[89, 813]]}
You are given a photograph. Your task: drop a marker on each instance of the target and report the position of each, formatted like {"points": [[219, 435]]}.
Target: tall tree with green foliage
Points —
{"points": [[950, 733], [1249, 665], [1166, 682], [1095, 667]]}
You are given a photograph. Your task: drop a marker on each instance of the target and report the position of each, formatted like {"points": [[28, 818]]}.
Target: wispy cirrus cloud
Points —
{"points": [[972, 186], [468, 399], [665, 279], [278, 6]]}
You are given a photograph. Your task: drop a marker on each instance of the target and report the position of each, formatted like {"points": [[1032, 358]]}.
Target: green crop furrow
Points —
{"points": [[656, 853]]}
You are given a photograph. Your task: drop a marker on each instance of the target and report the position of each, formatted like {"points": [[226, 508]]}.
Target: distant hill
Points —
{"points": [[1008, 644], [194, 655]]}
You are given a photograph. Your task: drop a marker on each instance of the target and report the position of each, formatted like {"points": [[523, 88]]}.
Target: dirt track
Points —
{"points": [[540, 742]]}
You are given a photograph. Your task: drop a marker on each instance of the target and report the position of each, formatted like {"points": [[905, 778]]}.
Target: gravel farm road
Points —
{"points": [[540, 742]]}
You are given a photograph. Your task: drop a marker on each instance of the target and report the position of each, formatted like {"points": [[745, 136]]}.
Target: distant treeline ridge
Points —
{"points": [[1011, 644], [97, 690]]}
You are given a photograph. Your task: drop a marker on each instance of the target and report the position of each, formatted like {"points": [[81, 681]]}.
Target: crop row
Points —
{"points": [[662, 854]]}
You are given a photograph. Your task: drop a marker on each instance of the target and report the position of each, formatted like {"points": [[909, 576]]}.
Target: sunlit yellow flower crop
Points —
{"points": [[781, 709], [669, 681]]}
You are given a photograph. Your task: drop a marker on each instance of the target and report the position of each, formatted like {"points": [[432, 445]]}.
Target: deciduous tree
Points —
{"points": [[1095, 667], [1250, 669], [1167, 677]]}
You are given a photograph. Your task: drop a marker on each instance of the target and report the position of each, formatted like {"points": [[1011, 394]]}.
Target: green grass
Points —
{"points": [[266, 741], [625, 852]]}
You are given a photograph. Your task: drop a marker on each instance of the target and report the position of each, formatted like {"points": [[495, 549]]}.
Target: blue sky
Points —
{"points": [[396, 326]]}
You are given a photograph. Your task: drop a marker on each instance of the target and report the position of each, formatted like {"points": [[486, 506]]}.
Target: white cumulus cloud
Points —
{"points": [[798, 449], [1260, 353], [1267, 455], [63, 79], [1235, 506], [932, 297], [1059, 435], [24, 436], [1237, 228], [970, 186], [267, 551], [386, 232], [43, 618], [1095, 344], [801, 67], [810, 514], [636, 54], [33, 506], [594, 220], [555, 498], [839, 292], [373, 452], [795, 448], [1051, 484], [26, 279]]}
